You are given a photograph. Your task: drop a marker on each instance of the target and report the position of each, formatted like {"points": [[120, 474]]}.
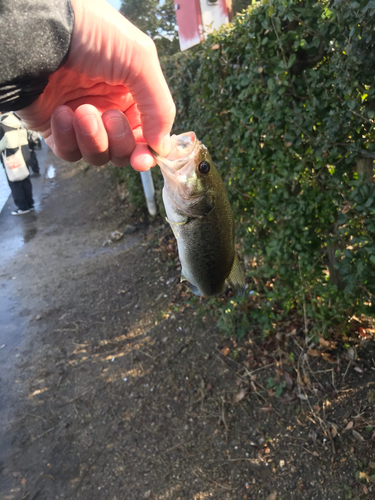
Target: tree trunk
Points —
{"points": [[334, 275], [365, 168]]}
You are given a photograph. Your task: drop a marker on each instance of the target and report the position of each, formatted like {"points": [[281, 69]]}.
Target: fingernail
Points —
{"points": [[115, 127], [88, 125], [147, 162], [64, 121], [166, 145]]}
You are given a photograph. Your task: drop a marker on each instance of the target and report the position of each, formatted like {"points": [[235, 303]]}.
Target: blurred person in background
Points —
{"points": [[13, 142], [34, 143]]}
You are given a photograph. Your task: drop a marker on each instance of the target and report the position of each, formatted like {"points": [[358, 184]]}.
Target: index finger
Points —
{"points": [[154, 100]]}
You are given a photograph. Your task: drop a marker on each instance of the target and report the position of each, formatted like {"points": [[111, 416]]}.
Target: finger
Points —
{"points": [[120, 137], [154, 101], [64, 143], [141, 158], [91, 135]]}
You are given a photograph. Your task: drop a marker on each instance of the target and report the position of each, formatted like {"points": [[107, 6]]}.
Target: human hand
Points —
{"points": [[110, 99]]}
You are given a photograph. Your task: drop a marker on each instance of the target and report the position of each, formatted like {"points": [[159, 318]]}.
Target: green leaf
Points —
{"points": [[271, 84], [292, 60]]}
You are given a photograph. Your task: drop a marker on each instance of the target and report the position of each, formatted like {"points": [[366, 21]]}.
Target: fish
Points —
{"points": [[201, 218]]}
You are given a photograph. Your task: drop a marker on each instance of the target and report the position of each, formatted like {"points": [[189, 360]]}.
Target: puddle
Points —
{"points": [[51, 172]]}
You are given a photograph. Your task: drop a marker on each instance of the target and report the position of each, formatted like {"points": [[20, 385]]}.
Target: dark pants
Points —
{"points": [[32, 163], [22, 193]]}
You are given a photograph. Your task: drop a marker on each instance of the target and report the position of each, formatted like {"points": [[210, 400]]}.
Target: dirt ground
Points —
{"points": [[116, 385]]}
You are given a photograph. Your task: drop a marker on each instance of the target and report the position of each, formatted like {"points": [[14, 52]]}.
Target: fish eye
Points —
{"points": [[204, 167]]}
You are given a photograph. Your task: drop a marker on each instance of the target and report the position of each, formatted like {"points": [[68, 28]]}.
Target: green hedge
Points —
{"points": [[284, 100]]}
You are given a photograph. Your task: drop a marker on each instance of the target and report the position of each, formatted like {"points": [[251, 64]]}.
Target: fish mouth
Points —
{"points": [[182, 149]]}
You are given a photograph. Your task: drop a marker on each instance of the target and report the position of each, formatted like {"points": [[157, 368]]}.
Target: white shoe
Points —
{"points": [[21, 212]]}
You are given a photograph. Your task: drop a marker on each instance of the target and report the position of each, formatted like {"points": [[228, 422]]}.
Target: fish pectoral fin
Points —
{"points": [[182, 277], [176, 223], [236, 277], [196, 290]]}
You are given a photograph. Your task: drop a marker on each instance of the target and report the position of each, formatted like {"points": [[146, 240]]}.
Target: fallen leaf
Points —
{"points": [[313, 352], [23, 480], [279, 336], [273, 496], [346, 209], [358, 436], [363, 475], [362, 332], [300, 486], [288, 380], [328, 357], [314, 436], [365, 489], [349, 426], [315, 453], [215, 47], [333, 432], [302, 396], [324, 342], [305, 380], [240, 395], [351, 354], [225, 351], [147, 494]]}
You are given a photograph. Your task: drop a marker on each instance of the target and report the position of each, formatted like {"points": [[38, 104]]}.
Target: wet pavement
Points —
{"points": [[16, 231]]}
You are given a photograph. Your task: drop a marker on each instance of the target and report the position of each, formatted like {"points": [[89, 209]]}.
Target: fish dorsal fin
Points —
{"points": [[236, 278]]}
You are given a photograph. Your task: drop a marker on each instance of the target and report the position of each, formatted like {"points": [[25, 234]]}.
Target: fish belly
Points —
{"points": [[206, 251]]}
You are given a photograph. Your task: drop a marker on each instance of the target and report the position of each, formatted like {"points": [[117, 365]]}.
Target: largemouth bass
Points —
{"points": [[200, 216]]}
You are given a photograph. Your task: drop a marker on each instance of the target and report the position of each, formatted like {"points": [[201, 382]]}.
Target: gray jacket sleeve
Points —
{"points": [[35, 37]]}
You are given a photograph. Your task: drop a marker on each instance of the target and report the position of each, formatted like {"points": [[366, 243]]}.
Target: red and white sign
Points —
{"points": [[197, 18]]}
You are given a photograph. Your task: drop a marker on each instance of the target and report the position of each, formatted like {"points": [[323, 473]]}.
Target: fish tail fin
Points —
{"points": [[236, 277], [196, 290]]}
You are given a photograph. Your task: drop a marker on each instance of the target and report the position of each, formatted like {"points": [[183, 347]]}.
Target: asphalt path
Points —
{"points": [[15, 232]]}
